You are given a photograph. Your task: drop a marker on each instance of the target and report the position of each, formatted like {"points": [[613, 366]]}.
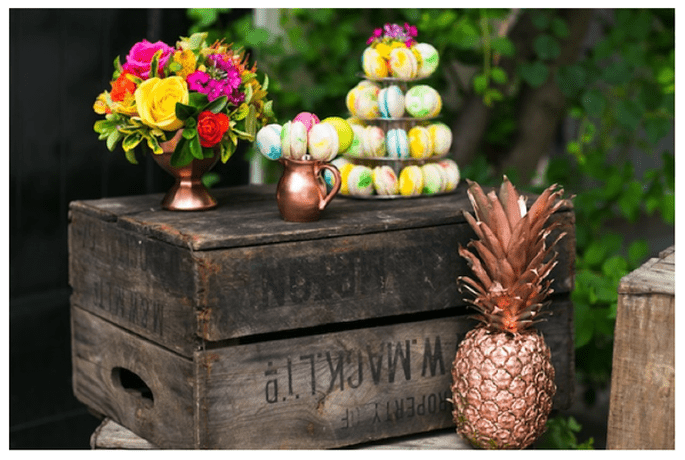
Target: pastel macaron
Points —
{"points": [[344, 174], [268, 141], [356, 148], [429, 59], [403, 64], [323, 142], [385, 181], [345, 133], [328, 177], [397, 143], [391, 102], [362, 100], [294, 140], [422, 101], [420, 142], [373, 142], [411, 180], [309, 119], [360, 181], [441, 134], [434, 181], [452, 173], [373, 64]]}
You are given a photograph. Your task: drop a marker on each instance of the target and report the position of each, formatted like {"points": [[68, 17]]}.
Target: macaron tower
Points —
{"points": [[396, 145]]}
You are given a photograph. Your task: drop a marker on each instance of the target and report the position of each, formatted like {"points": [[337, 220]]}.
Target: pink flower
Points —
{"points": [[377, 33], [411, 30], [140, 56], [198, 81]]}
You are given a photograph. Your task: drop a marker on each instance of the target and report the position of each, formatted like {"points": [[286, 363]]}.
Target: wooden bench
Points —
{"points": [[642, 404]]}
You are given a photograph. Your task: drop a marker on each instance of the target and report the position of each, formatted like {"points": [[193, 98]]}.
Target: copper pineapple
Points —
{"points": [[502, 376]]}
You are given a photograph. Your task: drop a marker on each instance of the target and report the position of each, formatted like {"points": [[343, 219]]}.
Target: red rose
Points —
{"points": [[211, 127]]}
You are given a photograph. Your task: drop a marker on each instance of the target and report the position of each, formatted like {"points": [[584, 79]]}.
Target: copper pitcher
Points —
{"points": [[301, 192]]}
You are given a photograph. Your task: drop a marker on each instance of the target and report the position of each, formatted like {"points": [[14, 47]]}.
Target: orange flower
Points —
{"points": [[121, 87]]}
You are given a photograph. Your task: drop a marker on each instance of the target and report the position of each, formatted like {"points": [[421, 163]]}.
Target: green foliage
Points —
{"points": [[561, 434]]}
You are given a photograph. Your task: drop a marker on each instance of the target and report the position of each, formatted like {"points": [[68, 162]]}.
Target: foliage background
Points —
{"points": [[576, 97]]}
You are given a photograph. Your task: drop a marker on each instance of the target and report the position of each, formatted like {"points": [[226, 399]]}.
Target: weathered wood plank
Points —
{"points": [[317, 391], [172, 294], [106, 361], [111, 435], [642, 404]]}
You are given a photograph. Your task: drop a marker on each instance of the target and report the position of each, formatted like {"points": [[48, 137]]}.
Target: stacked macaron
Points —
{"points": [[422, 101], [394, 52], [413, 180], [362, 100], [304, 137]]}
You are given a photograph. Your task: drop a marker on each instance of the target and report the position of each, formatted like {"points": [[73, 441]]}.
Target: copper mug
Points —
{"points": [[301, 192]]}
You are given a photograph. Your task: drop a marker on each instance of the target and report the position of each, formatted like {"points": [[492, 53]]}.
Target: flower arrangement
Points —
{"points": [[209, 92], [391, 36]]}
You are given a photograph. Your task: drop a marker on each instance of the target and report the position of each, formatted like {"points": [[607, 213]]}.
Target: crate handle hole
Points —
{"points": [[133, 384]]}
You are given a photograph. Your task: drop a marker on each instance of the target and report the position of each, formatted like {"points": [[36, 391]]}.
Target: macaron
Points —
{"points": [[373, 64], [396, 143], [294, 140], [344, 130], [309, 119], [452, 171], [356, 148], [268, 141], [328, 177], [411, 181], [385, 181], [344, 174], [422, 101], [366, 102], [391, 102], [441, 134], [323, 142], [360, 181], [420, 142], [403, 64], [433, 179], [373, 142], [429, 59]]}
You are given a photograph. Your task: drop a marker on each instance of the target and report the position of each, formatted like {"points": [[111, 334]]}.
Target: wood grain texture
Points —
{"points": [[184, 278], [100, 351], [316, 391], [642, 404], [111, 435]]}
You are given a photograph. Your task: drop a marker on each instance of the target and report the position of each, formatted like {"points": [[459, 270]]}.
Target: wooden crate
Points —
{"points": [[235, 329], [642, 403]]}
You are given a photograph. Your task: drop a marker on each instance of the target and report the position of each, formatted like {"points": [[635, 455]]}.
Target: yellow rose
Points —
{"points": [[156, 101]]}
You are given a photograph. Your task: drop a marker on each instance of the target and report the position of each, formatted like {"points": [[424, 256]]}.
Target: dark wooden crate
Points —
{"points": [[235, 329]]}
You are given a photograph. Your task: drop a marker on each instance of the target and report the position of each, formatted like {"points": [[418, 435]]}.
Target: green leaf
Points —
{"points": [[657, 129], [210, 179], [217, 105], [584, 324], [196, 148], [181, 155], [498, 75], [251, 122], [559, 27], [540, 19], [594, 102], [668, 208], [571, 79], [154, 64], [153, 144], [629, 201], [265, 85], [241, 112], [189, 133], [183, 112], [131, 141], [112, 140], [480, 83], [503, 46], [196, 40], [131, 156], [256, 37], [615, 267], [546, 47], [534, 73], [197, 100], [637, 253], [617, 73], [628, 114], [227, 151]]}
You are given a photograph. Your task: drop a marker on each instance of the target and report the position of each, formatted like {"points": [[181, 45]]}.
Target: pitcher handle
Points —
{"points": [[336, 185]]}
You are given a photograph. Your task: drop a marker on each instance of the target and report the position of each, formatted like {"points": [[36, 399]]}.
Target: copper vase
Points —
{"points": [[188, 192], [301, 192]]}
